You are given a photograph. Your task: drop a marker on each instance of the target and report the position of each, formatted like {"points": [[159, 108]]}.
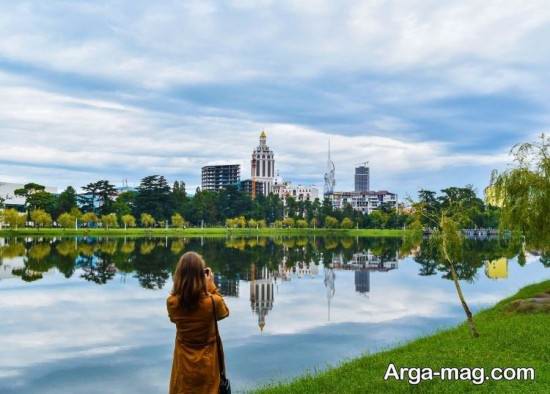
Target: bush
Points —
{"points": [[66, 220], [128, 220], [147, 220], [178, 221], [41, 218], [346, 223], [89, 218], [331, 222], [288, 222], [109, 220]]}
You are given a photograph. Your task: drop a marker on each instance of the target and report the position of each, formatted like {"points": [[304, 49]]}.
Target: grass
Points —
{"points": [[207, 231], [508, 339]]}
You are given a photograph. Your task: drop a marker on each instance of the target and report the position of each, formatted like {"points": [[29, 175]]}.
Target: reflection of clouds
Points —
{"points": [[77, 320]]}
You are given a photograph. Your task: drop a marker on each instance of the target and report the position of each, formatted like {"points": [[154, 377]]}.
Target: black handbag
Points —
{"points": [[225, 386]]}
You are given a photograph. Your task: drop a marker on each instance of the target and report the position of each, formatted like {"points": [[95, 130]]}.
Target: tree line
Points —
{"points": [[156, 203]]}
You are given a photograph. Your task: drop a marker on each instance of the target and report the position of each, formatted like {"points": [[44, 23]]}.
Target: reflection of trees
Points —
{"points": [[177, 246], [97, 270], [128, 247], [146, 247], [153, 267], [12, 250], [473, 255]]}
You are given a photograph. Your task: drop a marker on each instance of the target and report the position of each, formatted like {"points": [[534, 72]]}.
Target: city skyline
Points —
{"points": [[126, 90]]}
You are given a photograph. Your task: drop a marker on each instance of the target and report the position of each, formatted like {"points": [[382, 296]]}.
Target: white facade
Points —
{"points": [[365, 202], [298, 192], [7, 191], [263, 165]]}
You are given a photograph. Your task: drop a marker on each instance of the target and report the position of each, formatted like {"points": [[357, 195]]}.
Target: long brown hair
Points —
{"points": [[189, 280]]}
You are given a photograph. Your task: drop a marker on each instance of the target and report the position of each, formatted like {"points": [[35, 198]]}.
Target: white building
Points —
{"points": [[365, 202], [7, 192], [263, 165], [298, 192]]}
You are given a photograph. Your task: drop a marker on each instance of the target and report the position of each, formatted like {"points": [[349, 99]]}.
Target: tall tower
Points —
{"points": [[263, 165], [362, 177], [330, 179]]}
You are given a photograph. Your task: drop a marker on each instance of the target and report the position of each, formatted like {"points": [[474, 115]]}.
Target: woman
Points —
{"points": [[196, 367]]}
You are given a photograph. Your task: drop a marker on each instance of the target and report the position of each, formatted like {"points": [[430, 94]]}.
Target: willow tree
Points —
{"points": [[523, 192]]}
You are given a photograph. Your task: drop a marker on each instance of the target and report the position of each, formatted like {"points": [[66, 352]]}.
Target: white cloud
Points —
{"points": [[56, 127], [107, 139]]}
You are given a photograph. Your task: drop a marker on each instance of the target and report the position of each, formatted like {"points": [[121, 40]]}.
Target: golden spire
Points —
{"points": [[263, 135]]}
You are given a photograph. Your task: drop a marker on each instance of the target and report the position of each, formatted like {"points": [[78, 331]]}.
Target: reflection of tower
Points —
{"points": [[330, 277], [362, 281], [261, 294], [330, 180]]}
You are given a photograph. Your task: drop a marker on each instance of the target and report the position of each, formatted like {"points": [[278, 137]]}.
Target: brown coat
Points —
{"points": [[195, 368]]}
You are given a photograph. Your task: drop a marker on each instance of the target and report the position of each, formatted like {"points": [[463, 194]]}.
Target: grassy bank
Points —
{"points": [[508, 339], [200, 232]]}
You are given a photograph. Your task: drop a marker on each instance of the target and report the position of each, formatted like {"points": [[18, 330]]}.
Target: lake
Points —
{"points": [[88, 315]]}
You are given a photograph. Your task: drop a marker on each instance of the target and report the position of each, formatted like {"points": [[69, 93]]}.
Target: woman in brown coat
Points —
{"points": [[196, 367]]}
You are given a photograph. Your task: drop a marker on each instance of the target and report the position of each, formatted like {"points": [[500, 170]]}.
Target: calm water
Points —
{"points": [[88, 315]]}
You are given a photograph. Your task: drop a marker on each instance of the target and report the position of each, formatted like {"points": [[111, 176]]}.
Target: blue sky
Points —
{"points": [[431, 93]]}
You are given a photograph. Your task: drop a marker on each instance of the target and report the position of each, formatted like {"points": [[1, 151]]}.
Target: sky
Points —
{"points": [[432, 94]]}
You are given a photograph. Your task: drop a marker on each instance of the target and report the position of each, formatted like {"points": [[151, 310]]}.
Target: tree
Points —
{"points": [[109, 220], [331, 222], [124, 203], [154, 197], [128, 220], [523, 192], [178, 221], [449, 239], [301, 223], [41, 218], [289, 222], [314, 222], [179, 196], [36, 197], [89, 218], [98, 197], [252, 223], [147, 220], [346, 223], [13, 218], [66, 200], [66, 220]]}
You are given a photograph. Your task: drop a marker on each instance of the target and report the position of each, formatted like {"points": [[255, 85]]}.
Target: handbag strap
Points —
{"points": [[221, 357]]}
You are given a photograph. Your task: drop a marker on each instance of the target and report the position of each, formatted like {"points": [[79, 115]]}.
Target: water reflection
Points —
{"points": [[297, 304], [265, 263], [258, 260]]}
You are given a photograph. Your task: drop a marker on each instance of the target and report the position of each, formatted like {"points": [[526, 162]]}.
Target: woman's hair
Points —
{"points": [[189, 280]]}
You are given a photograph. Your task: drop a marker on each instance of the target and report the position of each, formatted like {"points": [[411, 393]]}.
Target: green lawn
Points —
{"points": [[508, 339], [210, 231]]}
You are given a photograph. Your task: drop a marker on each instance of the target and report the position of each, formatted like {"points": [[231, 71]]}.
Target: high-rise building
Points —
{"points": [[217, 177], [362, 178], [263, 165]]}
